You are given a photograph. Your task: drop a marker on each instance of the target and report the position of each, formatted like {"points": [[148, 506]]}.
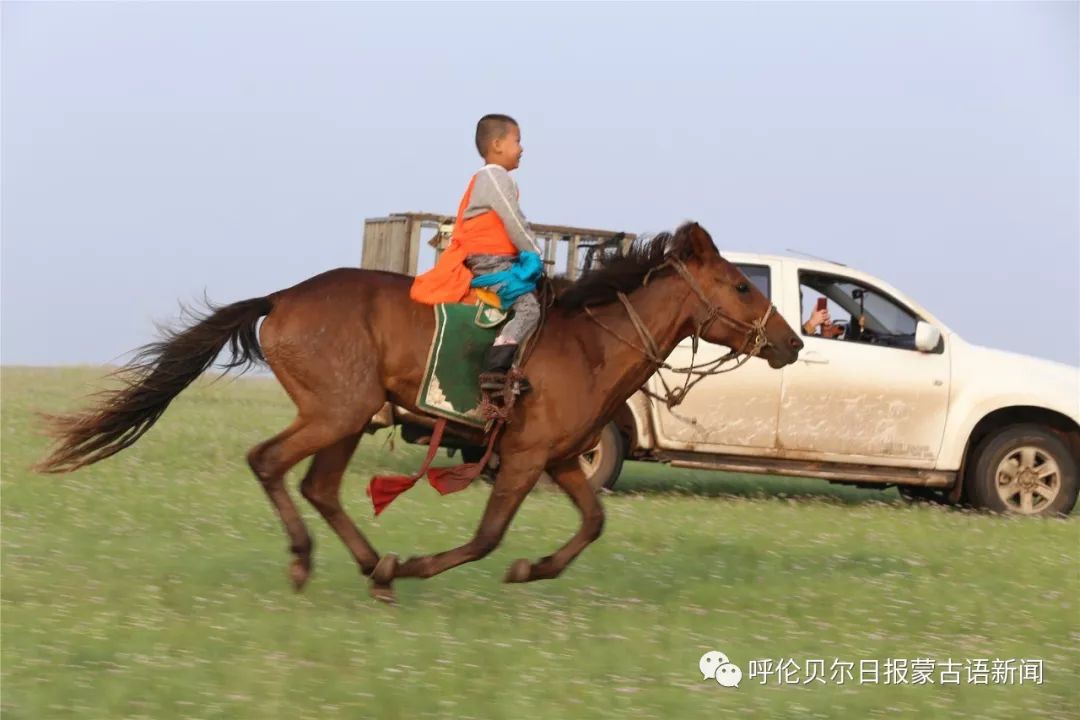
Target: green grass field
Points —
{"points": [[154, 586]]}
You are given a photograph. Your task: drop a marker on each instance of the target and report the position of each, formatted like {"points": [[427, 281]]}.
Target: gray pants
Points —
{"points": [[526, 308]]}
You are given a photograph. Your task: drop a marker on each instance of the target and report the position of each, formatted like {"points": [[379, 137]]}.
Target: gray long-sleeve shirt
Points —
{"points": [[495, 190]]}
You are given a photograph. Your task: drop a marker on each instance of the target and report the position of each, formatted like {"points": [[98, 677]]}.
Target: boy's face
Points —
{"points": [[506, 151]]}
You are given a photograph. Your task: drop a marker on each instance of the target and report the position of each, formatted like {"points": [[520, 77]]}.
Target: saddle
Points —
{"points": [[463, 333], [450, 391]]}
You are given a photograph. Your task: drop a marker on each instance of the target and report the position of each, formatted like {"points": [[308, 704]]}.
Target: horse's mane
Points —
{"points": [[622, 273]]}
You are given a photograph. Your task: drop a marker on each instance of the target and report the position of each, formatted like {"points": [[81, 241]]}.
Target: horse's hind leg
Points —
{"points": [[270, 460], [571, 478], [322, 488]]}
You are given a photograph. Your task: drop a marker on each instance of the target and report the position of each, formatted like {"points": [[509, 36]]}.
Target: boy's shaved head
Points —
{"points": [[491, 128]]}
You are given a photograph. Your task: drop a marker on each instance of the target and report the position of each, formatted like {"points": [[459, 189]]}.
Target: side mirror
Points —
{"points": [[927, 337]]}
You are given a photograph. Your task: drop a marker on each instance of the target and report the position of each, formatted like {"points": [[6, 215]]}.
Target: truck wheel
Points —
{"points": [[603, 463], [1024, 470]]}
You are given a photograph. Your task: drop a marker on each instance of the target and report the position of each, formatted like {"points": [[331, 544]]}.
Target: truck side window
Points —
{"points": [[759, 275], [861, 312]]}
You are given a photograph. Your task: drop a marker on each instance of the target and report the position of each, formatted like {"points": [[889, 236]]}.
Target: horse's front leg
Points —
{"points": [[518, 473], [571, 478]]}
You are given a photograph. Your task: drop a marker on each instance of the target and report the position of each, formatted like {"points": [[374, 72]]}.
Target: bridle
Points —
{"points": [[754, 342]]}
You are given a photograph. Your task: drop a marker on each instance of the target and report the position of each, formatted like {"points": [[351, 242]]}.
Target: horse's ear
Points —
{"points": [[701, 242]]}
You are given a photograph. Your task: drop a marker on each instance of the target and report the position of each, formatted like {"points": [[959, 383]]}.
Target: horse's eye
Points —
{"points": [[743, 288]]}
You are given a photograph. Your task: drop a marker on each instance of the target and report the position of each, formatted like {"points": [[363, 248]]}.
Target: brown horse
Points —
{"points": [[345, 342]]}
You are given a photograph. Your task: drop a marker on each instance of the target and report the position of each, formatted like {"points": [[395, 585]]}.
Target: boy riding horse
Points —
{"points": [[491, 247]]}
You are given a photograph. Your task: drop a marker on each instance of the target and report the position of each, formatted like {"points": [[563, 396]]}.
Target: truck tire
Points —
{"points": [[602, 464], [1023, 470]]}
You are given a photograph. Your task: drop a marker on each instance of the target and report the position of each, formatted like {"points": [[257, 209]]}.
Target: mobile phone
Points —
{"points": [[822, 303]]}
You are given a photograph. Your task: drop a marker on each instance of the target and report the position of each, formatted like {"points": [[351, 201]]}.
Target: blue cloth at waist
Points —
{"points": [[521, 278]]}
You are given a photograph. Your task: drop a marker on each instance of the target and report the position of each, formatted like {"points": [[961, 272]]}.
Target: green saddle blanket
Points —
{"points": [[451, 386]]}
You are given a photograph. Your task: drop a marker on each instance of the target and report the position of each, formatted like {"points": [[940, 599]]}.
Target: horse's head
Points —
{"points": [[726, 308]]}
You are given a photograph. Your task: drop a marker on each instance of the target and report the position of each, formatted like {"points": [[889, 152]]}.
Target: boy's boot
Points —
{"points": [[497, 363]]}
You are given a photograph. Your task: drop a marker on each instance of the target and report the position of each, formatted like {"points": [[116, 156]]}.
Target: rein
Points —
{"points": [[753, 344]]}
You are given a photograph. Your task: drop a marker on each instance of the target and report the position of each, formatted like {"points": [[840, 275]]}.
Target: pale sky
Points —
{"points": [[152, 151]]}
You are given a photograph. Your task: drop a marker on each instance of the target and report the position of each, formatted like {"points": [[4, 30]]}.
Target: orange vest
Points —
{"points": [[449, 281]]}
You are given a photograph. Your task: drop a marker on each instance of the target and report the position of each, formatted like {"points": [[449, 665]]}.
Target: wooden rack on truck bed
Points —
{"points": [[393, 243]]}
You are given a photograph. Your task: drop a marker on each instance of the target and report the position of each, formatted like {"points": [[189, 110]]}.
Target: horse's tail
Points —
{"points": [[158, 373]]}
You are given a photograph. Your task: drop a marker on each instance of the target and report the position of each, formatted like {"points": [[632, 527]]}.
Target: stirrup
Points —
{"points": [[494, 381], [513, 381], [496, 403]]}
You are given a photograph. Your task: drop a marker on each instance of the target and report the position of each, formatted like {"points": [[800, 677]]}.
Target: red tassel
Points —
{"points": [[452, 479], [384, 488]]}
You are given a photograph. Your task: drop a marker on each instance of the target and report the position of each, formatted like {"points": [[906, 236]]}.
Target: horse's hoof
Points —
{"points": [[382, 593], [299, 572], [384, 571], [519, 571]]}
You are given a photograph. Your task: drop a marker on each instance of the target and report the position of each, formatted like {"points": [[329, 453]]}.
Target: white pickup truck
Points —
{"points": [[895, 399]]}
